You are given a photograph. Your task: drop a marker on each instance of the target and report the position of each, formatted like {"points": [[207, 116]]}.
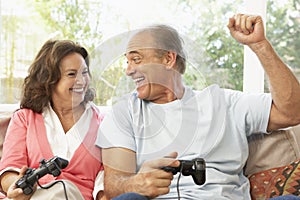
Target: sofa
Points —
{"points": [[273, 166], [4, 121]]}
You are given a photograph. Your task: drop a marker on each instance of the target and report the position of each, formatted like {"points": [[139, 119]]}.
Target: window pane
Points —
{"points": [[283, 30], [214, 57]]}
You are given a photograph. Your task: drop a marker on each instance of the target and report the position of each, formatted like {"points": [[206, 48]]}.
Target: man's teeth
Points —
{"points": [[138, 79]]}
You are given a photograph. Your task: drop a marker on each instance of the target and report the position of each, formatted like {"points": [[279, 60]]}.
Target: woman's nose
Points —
{"points": [[80, 79]]}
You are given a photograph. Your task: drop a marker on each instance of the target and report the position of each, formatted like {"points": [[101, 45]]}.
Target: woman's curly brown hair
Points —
{"points": [[44, 73]]}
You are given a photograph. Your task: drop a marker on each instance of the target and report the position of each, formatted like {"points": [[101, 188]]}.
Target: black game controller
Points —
{"points": [[195, 167], [52, 166]]}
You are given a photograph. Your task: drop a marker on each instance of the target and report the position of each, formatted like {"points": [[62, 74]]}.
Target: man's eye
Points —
{"points": [[136, 60]]}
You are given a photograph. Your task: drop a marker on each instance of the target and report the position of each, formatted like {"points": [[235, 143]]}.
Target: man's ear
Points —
{"points": [[170, 59]]}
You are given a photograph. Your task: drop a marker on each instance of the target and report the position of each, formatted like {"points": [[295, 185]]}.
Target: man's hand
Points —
{"points": [[120, 175], [247, 29], [152, 179]]}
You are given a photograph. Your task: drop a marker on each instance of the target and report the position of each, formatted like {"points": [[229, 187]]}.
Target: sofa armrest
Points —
{"points": [[4, 121]]}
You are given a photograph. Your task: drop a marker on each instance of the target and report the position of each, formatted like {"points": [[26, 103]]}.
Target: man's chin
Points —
{"points": [[141, 95]]}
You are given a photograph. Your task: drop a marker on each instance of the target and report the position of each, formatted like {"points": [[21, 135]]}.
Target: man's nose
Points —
{"points": [[130, 69]]}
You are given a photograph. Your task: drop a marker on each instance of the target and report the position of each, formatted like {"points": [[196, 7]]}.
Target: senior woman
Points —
{"points": [[56, 118]]}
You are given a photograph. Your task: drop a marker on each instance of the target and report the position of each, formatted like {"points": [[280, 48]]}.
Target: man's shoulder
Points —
{"points": [[125, 103], [216, 90], [126, 97], [211, 90], [208, 88], [217, 95]]}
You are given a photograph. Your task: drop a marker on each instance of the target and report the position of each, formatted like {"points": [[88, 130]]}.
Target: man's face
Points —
{"points": [[148, 70], [151, 67]]}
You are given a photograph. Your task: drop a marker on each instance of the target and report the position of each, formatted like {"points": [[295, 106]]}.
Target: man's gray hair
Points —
{"points": [[168, 39]]}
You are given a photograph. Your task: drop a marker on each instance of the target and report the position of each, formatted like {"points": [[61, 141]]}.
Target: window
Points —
{"points": [[214, 56]]}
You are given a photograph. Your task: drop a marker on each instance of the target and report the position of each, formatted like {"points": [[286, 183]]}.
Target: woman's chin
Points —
{"points": [[77, 100]]}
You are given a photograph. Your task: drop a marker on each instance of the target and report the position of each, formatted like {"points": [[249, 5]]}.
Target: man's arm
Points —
{"points": [[284, 86], [120, 174]]}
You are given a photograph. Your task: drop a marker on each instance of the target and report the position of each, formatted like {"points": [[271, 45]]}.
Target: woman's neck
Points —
{"points": [[68, 116]]}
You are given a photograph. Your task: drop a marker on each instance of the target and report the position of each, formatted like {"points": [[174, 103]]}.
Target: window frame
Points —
{"points": [[253, 74]]}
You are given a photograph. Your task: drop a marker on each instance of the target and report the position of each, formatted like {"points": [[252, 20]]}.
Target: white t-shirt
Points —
{"points": [[212, 124]]}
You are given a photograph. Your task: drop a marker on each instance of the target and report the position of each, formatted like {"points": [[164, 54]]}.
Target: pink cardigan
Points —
{"points": [[26, 144]]}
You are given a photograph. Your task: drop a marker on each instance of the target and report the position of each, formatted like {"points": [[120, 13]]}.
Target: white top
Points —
{"points": [[65, 144], [212, 124]]}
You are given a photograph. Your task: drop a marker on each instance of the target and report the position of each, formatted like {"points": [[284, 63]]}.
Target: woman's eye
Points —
{"points": [[72, 74], [85, 72]]}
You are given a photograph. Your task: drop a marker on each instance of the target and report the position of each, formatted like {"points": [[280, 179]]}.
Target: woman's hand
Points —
{"points": [[15, 193]]}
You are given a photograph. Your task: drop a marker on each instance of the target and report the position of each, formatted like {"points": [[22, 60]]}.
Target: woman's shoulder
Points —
{"points": [[25, 113], [96, 109]]}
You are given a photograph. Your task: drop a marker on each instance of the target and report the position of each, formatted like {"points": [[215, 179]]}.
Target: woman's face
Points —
{"points": [[70, 89]]}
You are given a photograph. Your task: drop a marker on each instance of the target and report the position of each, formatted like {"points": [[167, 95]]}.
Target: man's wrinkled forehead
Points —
{"points": [[142, 40]]}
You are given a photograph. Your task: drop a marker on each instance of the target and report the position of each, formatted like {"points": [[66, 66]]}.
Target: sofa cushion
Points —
{"points": [[276, 182], [268, 151]]}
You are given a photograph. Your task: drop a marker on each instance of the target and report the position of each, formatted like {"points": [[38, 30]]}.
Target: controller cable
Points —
{"points": [[52, 184], [179, 176]]}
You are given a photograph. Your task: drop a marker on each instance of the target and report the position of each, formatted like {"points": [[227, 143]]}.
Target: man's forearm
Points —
{"points": [[284, 86], [118, 184]]}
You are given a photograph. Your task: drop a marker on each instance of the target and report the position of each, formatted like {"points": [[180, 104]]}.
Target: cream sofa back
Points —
{"points": [[274, 150]]}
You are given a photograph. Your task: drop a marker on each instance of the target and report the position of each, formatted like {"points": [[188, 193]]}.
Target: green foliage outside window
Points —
{"points": [[215, 56]]}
